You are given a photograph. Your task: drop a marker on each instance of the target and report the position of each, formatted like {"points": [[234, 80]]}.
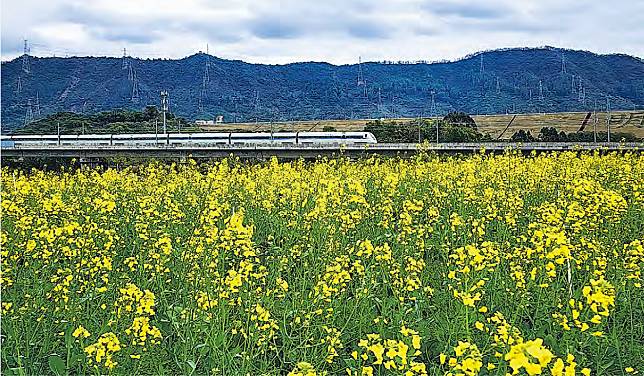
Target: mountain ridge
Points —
{"points": [[494, 81]]}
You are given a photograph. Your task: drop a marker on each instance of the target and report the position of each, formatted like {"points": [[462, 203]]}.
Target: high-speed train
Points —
{"points": [[190, 139]]}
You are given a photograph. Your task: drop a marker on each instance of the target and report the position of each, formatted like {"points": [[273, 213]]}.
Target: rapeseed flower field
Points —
{"points": [[491, 265]]}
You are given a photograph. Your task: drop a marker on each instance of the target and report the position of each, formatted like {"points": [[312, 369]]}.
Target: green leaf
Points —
{"points": [[57, 365]]}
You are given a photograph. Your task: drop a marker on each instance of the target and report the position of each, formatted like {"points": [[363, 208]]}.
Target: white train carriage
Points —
{"points": [[93, 139], [7, 142], [142, 139], [199, 139], [35, 140], [191, 139], [250, 138], [284, 138], [311, 138], [360, 138], [85, 139]]}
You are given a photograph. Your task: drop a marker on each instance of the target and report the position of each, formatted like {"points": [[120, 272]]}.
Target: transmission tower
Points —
{"points": [[256, 106], [25, 58], [563, 63], [572, 85], [540, 90], [432, 106], [37, 109], [202, 94], [29, 115], [206, 72], [124, 60], [580, 91], [130, 72], [498, 86], [19, 85], [482, 68], [135, 88], [361, 80]]}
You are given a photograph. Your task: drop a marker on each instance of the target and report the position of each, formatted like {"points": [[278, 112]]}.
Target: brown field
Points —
{"points": [[495, 125]]}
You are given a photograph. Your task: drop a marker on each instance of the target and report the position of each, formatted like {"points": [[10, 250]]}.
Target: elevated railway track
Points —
{"points": [[263, 151]]}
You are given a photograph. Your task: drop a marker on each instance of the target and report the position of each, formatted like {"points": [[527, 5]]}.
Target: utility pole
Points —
{"points": [[58, 131], [595, 120], [608, 115], [164, 108]]}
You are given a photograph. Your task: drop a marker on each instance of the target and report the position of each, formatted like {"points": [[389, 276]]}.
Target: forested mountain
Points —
{"points": [[510, 80]]}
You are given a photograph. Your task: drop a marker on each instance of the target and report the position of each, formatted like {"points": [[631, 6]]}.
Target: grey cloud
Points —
{"points": [[490, 10], [276, 28], [331, 29], [365, 30]]}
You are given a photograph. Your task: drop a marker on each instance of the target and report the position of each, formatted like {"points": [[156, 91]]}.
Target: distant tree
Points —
{"points": [[150, 112], [522, 136], [460, 119], [550, 134], [328, 128], [460, 133]]}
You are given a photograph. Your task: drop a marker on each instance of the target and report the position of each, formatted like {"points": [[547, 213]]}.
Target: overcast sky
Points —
{"points": [[337, 31]]}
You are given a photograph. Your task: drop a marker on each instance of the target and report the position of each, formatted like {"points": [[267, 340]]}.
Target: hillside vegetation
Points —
{"points": [[514, 80]]}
